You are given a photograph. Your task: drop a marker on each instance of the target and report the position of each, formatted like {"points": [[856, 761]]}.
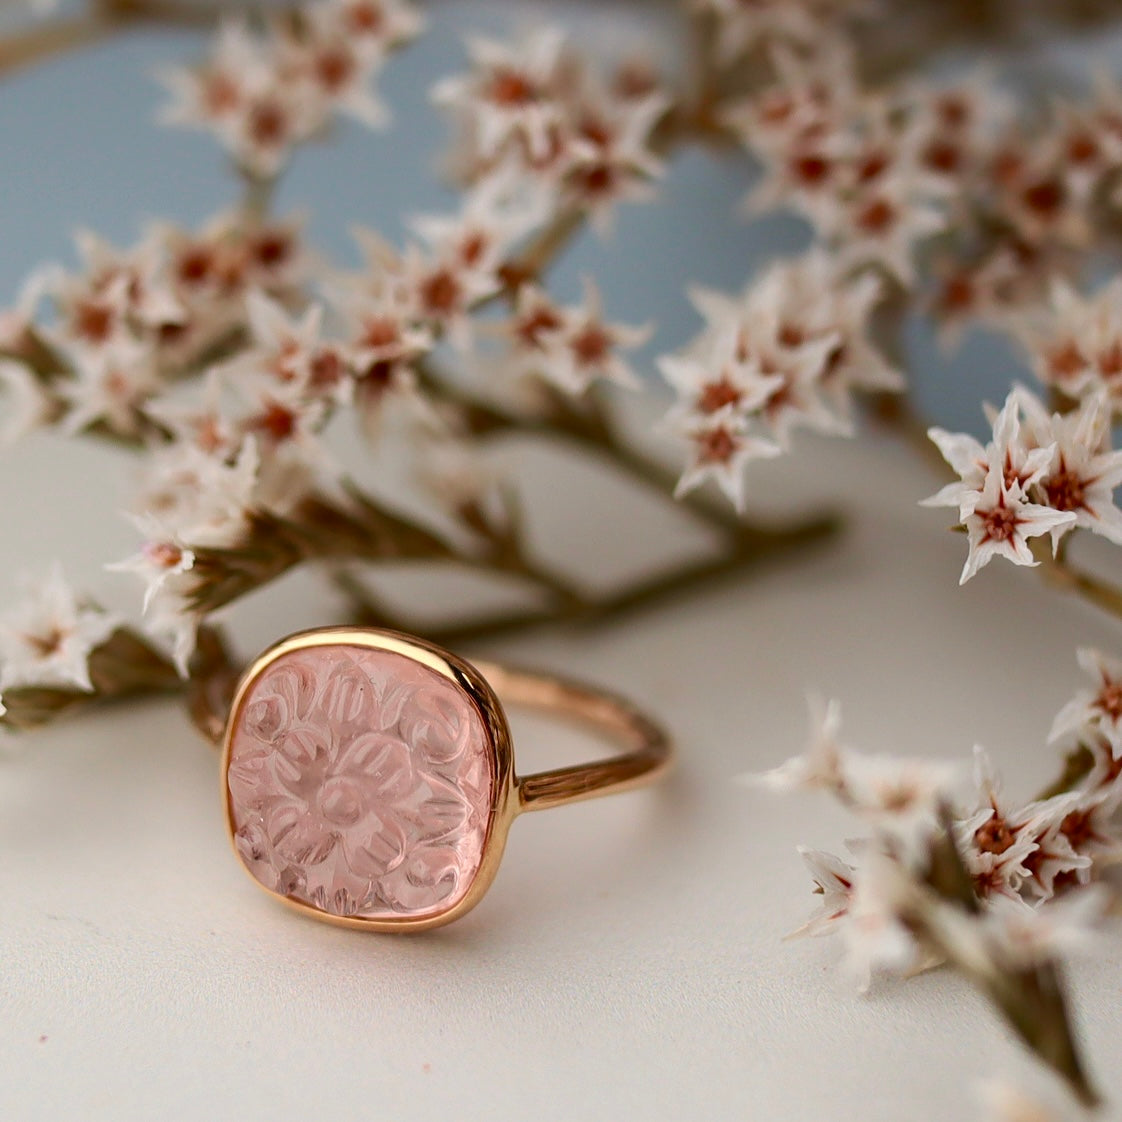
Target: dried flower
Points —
{"points": [[27, 404], [48, 637], [833, 880], [1098, 710]]}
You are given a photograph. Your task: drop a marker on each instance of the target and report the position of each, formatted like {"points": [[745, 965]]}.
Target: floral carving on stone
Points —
{"points": [[360, 783]]}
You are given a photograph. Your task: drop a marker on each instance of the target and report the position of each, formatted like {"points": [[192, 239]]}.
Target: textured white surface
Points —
{"points": [[628, 958]]}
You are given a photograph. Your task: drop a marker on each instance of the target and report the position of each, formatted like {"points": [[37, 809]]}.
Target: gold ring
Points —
{"points": [[368, 777]]}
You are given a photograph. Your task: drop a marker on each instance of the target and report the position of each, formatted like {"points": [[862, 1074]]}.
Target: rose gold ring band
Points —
{"points": [[648, 746], [368, 777]]}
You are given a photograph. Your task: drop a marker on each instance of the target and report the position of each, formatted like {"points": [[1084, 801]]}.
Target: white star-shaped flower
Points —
{"points": [[1000, 521], [1098, 709], [1062, 927], [874, 933], [1084, 470], [833, 880], [721, 448], [112, 386], [47, 638], [883, 224], [374, 26], [161, 560], [509, 92], [822, 765], [1022, 462], [204, 499]]}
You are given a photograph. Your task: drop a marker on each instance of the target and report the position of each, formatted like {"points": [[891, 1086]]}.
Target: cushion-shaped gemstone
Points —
{"points": [[360, 783]]}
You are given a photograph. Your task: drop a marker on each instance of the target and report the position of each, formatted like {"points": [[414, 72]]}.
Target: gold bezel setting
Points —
{"points": [[469, 681]]}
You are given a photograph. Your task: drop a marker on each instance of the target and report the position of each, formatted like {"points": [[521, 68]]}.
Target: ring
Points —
{"points": [[368, 776]]}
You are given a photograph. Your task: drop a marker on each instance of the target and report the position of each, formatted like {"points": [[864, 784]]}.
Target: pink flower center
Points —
{"points": [[268, 124], [510, 88], [440, 292], [952, 110], [716, 446], [1109, 699], [1044, 198], [379, 331], [876, 217], [334, 68], [326, 368], [473, 247], [811, 170], [1066, 490], [1110, 361], [999, 524], [943, 156], [872, 165], [1078, 828], [1066, 361], [164, 555], [220, 94], [93, 321], [276, 420], [194, 265], [47, 644], [366, 18], [1082, 148], [994, 836], [958, 294], [591, 345], [271, 249], [530, 328], [716, 395]]}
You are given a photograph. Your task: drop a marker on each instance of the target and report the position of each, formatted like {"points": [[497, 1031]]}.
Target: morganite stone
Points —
{"points": [[360, 783]]}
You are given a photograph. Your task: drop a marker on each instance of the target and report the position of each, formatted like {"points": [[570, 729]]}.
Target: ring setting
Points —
{"points": [[368, 776]]}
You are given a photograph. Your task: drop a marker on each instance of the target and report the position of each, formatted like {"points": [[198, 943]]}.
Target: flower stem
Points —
{"points": [[757, 546], [101, 19], [1063, 574], [215, 673], [44, 41], [125, 666], [542, 251]]}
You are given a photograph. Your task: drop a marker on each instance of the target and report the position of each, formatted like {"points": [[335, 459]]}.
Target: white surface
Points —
{"points": [[628, 960]]}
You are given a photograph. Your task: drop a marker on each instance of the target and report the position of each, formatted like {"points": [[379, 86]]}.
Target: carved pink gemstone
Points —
{"points": [[360, 783]]}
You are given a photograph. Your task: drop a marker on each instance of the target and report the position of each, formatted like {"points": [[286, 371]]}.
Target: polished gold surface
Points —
{"points": [[647, 756]]}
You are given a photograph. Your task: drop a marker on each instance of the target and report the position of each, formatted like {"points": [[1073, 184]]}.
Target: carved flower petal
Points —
{"points": [[299, 836]]}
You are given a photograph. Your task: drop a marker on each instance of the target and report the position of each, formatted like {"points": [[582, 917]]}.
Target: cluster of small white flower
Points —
{"points": [[1074, 341], [133, 322], [534, 108], [223, 355], [878, 172], [742, 25], [125, 331], [850, 162], [1042, 473], [264, 94], [1029, 866], [785, 354]]}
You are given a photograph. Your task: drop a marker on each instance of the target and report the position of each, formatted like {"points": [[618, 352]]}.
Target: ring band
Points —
{"points": [[368, 776]]}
